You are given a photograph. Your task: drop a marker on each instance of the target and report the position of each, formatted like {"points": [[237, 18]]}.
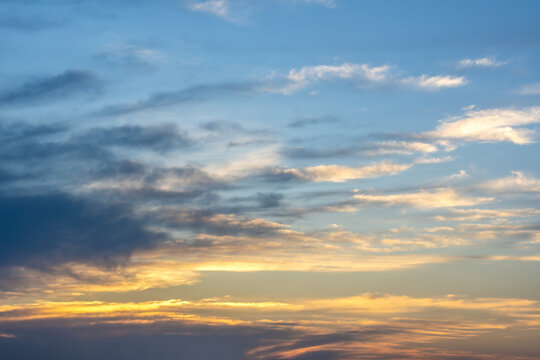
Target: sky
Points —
{"points": [[270, 179]]}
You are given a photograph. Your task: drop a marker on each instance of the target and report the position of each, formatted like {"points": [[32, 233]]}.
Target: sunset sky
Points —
{"points": [[269, 179]]}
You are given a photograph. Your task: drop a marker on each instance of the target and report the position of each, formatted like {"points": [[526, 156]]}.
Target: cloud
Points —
{"points": [[481, 62], [327, 3], [221, 126], [531, 89], [187, 95], [360, 74], [368, 325], [460, 175], [122, 54], [441, 198], [434, 82], [298, 79], [219, 8], [490, 126], [337, 173], [64, 339], [157, 137], [233, 12], [48, 230], [69, 83], [517, 182], [306, 121], [381, 148], [269, 200], [480, 214], [403, 147], [103, 162]]}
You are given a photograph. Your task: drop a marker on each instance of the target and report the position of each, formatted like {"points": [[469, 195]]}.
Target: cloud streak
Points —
{"points": [[440, 198], [191, 94], [362, 75], [485, 62], [50, 88]]}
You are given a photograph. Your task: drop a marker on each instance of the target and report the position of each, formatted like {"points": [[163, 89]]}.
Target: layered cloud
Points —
{"points": [[380, 326]]}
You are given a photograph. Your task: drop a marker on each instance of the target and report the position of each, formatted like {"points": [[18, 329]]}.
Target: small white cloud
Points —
{"points": [[435, 82], [309, 74], [327, 3], [531, 89], [460, 175], [219, 8], [481, 62]]}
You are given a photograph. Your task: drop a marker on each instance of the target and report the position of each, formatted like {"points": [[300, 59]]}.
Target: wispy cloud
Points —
{"points": [[128, 54], [361, 75], [441, 198], [480, 214], [220, 8], [481, 62], [337, 173], [170, 98], [435, 82], [237, 13], [44, 89], [158, 137], [531, 89], [327, 3]]}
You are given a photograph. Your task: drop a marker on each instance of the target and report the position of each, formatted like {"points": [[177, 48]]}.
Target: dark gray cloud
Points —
{"points": [[315, 153], [306, 121], [167, 340], [21, 131], [69, 83], [157, 137], [190, 94], [175, 340], [269, 200], [221, 126], [51, 153], [44, 230]]}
